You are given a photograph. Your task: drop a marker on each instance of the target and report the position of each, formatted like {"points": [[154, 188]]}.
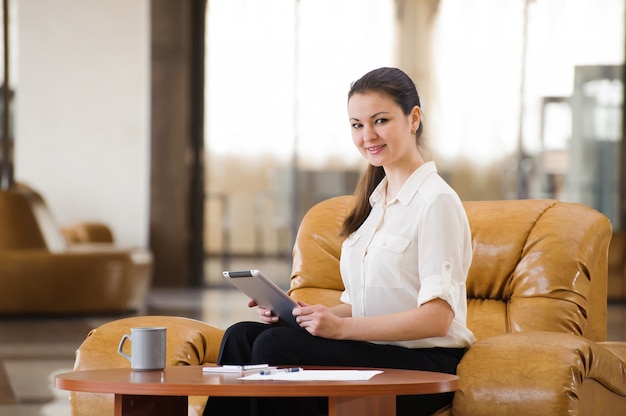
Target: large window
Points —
{"points": [[524, 100], [530, 95], [277, 136]]}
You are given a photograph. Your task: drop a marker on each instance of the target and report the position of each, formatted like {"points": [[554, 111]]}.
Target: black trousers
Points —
{"points": [[258, 343]]}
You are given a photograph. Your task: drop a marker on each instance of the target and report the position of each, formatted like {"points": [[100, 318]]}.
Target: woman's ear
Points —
{"points": [[415, 118]]}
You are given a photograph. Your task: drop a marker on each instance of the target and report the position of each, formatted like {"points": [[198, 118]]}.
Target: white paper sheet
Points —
{"points": [[317, 375]]}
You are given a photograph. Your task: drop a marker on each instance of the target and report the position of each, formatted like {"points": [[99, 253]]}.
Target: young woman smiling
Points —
{"points": [[404, 264]]}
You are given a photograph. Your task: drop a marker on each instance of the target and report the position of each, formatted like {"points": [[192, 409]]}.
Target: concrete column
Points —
{"points": [[176, 177], [414, 38]]}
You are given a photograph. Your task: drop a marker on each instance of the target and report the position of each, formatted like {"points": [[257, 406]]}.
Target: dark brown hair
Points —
{"points": [[397, 85]]}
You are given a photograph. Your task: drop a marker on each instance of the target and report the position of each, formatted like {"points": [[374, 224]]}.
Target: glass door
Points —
{"points": [[597, 139]]}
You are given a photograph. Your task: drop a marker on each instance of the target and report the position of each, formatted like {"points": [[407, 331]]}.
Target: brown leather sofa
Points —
{"points": [[45, 269], [536, 302]]}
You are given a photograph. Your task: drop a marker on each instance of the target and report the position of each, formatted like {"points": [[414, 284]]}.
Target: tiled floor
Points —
{"points": [[33, 350]]}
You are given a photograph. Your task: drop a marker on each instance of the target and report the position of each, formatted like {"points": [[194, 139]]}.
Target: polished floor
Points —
{"points": [[32, 350]]}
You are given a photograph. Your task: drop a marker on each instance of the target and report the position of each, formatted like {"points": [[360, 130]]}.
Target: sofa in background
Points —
{"points": [[537, 293], [45, 269]]}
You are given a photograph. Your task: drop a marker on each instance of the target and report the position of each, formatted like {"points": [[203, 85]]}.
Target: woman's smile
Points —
{"points": [[374, 150]]}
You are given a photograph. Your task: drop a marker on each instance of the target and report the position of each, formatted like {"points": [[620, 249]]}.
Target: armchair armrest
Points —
{"points": [[189, 342], [541, 373], [87, 232]]}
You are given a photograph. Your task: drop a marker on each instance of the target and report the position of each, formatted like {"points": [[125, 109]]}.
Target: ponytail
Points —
{"points": [[362, 208]]}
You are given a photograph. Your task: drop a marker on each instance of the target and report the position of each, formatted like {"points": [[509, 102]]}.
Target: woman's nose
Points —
{"points": [[369, 133]]}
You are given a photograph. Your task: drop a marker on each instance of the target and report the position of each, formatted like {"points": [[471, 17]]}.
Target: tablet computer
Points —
{"points": [[265, 293]]}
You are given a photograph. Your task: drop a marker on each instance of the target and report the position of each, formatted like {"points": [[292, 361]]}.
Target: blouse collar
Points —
{"points": [[409, 188]]}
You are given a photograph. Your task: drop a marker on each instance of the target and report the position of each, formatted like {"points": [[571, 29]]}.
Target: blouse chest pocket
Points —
{"points": [[389, 255], [388, 262], [391, 243]]}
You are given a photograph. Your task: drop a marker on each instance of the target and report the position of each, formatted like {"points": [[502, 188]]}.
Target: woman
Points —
{"points": [[404, 264]]}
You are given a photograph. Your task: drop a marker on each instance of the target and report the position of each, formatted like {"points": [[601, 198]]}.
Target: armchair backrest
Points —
{"points": [[537, 265], [26, 222], [18, 225]]}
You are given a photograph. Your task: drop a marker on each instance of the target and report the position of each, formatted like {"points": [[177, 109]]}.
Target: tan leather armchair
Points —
{"points": [[536, 302], [46, 269]]}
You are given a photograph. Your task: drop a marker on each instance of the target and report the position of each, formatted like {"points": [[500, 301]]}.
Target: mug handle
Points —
{"points": [[119, 348]]}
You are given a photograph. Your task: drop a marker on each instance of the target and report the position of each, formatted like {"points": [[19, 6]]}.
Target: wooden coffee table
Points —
{"points": [[144, 393]]}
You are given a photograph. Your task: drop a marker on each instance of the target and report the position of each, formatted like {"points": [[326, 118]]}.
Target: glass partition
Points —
{"points": [[526, 102], [529, 99], [277, 138]]}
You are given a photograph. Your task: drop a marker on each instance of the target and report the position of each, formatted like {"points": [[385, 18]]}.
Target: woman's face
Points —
{"points": [[384, 135]]}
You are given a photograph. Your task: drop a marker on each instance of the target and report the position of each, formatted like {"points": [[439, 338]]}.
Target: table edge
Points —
{"points": [[442, 384]]}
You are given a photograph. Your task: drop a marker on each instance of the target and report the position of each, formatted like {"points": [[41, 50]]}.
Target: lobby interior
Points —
{"points": [[132, 131]]}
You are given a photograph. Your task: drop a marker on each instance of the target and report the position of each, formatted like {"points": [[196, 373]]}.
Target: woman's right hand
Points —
{"points": [[266, 315]]}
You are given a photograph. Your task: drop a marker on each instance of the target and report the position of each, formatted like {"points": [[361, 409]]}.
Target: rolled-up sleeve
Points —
{"points": [[444, 244]]}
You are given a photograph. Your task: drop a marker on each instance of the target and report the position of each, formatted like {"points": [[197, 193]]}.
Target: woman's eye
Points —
{"points": [[381, 121], [357, 125]]}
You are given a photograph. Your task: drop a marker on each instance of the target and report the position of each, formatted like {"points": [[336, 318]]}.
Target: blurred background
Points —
{"points": [[204, 129]]}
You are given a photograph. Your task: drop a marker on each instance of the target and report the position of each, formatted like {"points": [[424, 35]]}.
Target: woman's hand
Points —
{"points": [[318, 320], [266, 315]]}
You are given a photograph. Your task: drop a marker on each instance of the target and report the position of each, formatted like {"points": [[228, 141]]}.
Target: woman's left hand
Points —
{"points": [[318, 320], [265, 315]]}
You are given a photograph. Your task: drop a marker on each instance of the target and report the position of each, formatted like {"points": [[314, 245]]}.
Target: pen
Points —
{"points": [[282, 370]]}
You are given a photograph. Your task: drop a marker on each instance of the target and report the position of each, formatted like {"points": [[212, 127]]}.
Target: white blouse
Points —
{"points": [[412, 249]]}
